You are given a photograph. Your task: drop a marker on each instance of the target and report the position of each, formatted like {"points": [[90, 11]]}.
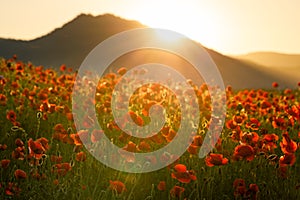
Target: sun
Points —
{"points": [[188, 19], [164, 15]]}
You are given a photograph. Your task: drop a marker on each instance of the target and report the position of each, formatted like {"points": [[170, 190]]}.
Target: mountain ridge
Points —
{"points": [[70, 43], [272, 59]]}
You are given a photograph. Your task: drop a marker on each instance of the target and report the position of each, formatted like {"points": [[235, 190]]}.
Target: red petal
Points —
{"points": [[180, 168]]}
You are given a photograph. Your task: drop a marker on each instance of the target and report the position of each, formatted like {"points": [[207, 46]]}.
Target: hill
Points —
{"points": [[71, 43], [272, 59], [68, 44]]}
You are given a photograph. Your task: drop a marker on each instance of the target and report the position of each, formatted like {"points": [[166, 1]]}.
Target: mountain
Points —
{"points": [[237, 73], [272, 59], [71, 43], [285, 65], [68, 44]]}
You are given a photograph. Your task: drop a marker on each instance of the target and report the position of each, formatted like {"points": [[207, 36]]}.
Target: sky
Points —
{"points": [[231, 27]]}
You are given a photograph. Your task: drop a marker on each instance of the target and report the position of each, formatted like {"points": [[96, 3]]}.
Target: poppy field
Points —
{"points": [[43, 155]]}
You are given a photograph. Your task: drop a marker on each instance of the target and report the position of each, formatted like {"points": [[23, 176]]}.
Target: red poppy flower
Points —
{"points": [[294, 111], [56, 159], [81, 156], [12, 189], [2, 80], [36, 175], [144, 146], [169, 137], [275, 84], [239, 119], [59, 128], [136, 118], [158, 139], [19, 142], [80, 138], [236, 134], [44, 142], [265, 104], [253, 187], [5, 163], [239, 182], [43, 96], [182, 174], [60, 133], [244, 151], [279, 122], [270, 138], [287, 159], [15, 85], [37, 148], [61, 169], [193, 149], [117, 186], [254, 124], [239, 186], [269, 141], [122, 71], [11, 116], [131, 147], [3, 147], [88, 122], [161, 186], [177, 191], [55, 181], [250, 138], [197, 140], [229, 89], [215, 160], [123, 137], [287, 144], [18, 153], [66, 166], [127, 155], [20, 174], [252, 192], [230, 124], [96, 135], [3, 100], [62, 68]]}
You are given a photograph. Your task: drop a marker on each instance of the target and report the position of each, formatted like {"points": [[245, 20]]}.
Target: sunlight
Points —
{"points": [[197, 23], [167, 37]]}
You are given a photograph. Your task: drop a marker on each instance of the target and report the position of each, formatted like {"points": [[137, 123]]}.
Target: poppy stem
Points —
{"points": [[39, 116]]}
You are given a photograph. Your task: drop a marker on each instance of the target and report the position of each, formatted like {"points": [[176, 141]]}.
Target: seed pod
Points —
{"points": [[39, 115], [14, 128]]}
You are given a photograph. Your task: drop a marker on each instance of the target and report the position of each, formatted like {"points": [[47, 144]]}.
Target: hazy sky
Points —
{"points": [[228, 26]]}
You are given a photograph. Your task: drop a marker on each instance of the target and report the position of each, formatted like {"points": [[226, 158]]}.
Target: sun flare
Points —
{"points": [[183, 19], [168, 37]]}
